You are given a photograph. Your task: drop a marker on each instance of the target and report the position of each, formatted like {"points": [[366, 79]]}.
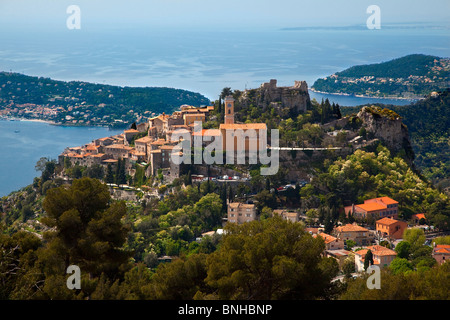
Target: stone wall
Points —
{"points": [[295, 98]]}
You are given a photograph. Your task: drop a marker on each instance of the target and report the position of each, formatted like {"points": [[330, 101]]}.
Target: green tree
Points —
{"points": [[209, 210], [121, 176], [400, 265], [109, 178], [403, 249], [270, 259], [88, 229]]}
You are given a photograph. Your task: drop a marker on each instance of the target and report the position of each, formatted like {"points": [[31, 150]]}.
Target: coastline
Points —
{"points": [[365, 96], [50, 122]]}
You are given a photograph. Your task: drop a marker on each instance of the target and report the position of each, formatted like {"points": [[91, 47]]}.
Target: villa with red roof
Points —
{"points": [[376, 208], [360, 235], [382, 256], [331, 243], [441, 252], [391, 228]]}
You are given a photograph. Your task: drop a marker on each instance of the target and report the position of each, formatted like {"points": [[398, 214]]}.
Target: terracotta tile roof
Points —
{"points": [[145, 139], [442, 248], [326, 237], [92, 147], [387, 221], [208, 132], [387, 200], [118, 146], [376, 250], [243, 126], [419, 215], [98, 155], [131, 131], [351, 227], [159, 142], [371, 206]]}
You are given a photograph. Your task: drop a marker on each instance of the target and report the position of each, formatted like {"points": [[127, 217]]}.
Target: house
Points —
{"points": [[287, 215], [331, 243], [375, 208], [382, 257], [142, 145], [415, 218], [160, 122], [117, 151], [361, 236], [129, 134], [190, 118], [388, 227], [441, 253], [104, 141], [241, 212], [340, 255]]}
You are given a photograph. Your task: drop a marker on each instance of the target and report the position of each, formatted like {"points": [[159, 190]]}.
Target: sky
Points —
{"points": [[213, 14]]}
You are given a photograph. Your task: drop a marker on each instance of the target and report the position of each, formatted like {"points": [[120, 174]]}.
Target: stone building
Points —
{"points": [[240, 212]]}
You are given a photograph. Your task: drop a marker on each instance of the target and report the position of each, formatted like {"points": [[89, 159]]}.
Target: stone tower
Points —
{"points": [[229, 110]]}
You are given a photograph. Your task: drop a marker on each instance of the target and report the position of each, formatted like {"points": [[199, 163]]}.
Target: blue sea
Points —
{"points": [[203, 61], [25, 142]]}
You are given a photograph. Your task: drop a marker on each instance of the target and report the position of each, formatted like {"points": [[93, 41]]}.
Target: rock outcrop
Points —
{"points": [[386, 125], [295, 98]]}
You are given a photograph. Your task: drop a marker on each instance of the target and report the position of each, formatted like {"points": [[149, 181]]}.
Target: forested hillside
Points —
{"points": [[411, 76], [428, 124], [100, 101]]}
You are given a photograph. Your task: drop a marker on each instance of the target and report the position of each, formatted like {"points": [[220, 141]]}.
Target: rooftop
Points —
{"points": [[243, 126], [371, 206], [387, 221], [351, 227]]}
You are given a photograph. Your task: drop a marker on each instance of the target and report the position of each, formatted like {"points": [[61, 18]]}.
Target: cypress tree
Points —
{"points": [[109, 174], [368, 259]]}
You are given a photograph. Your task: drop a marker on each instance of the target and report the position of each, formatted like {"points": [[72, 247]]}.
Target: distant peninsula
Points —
{"points": [[410, 77], [87, 104]]}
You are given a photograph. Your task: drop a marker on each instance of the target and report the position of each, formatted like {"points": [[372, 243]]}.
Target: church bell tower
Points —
{"points": [[229, 110]]}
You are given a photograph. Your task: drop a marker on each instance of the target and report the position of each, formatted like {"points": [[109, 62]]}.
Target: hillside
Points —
{"points": [[411, 76], [94, 104], [429, 128]]}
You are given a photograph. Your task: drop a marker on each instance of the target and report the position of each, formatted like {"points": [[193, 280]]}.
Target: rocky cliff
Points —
{"points": [[386, 125], [295, 98]]}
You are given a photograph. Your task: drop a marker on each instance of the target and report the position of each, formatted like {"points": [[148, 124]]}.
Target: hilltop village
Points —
{"points": [[151, 144]]}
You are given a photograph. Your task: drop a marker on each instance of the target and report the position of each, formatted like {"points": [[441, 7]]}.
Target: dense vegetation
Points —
{"points": [[415, 74], [267, 259], [429, 130]]}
